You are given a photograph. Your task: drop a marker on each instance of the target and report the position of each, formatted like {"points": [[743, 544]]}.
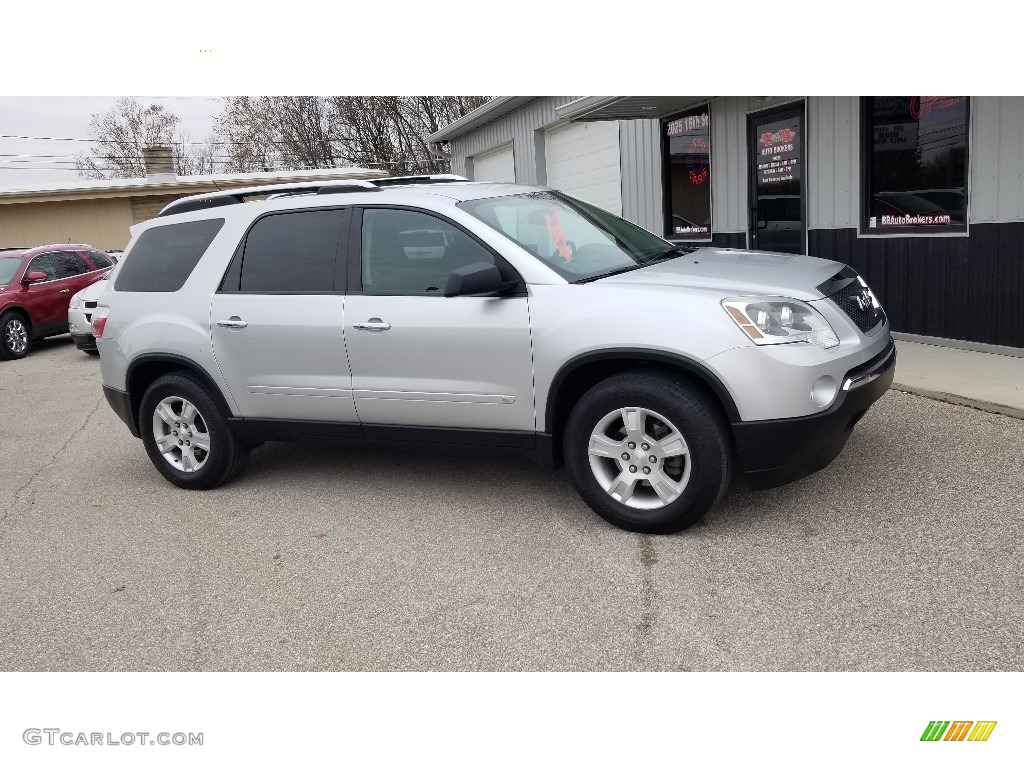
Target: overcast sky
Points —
{"points": [[68, 118]]}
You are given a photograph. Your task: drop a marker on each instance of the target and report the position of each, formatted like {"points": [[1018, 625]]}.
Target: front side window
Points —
{"points": [[45, 264], [9, 268], [292, 253], [413, 253], [688, 175], [915, 163], [71, 263], [164, 256], [577, 240]]}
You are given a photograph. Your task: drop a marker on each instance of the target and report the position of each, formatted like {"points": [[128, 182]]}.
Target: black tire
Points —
{"points": [[93, 352], [14, 326], [686, 409], [226, 456]]}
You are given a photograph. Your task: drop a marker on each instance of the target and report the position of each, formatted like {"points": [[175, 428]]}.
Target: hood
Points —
{"points": [[738, 272]]}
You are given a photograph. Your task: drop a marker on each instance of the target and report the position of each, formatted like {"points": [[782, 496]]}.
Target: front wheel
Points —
{"points": [[187, 435], [15, 336], [647, 452]]}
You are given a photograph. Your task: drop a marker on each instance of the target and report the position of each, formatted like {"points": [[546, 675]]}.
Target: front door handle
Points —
{"points": [[66, 290], [232, 322], [373, 324]]}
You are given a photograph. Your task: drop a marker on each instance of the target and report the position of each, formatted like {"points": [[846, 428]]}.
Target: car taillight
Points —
{"points": [[98, 324]]}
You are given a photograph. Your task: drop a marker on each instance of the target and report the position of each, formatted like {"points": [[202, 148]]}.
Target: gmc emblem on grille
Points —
{"points": [[863, 300]]}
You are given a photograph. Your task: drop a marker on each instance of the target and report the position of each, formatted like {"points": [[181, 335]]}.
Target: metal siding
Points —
{"points": [[640, 153], [951, 287], [833, 171], [729, 165], [518, 127], [996, 159]]}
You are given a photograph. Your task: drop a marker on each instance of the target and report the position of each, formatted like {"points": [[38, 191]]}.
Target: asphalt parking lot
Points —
{"points": [[905, 554]]}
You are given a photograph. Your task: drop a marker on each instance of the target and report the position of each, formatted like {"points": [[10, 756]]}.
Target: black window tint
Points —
{"points": [[915, 162], [163, 257], [293, 252], [101, 261], [71, 263], [688, 174], [407, 252], [44, 264]]}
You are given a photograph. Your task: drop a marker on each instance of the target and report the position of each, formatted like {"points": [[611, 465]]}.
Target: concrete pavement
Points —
{"points": [[991, 382], [902, 555]]}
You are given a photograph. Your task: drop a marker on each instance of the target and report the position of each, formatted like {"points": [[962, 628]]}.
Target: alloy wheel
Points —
{"points": [[181, 434], [16, 336], [639, 458]]}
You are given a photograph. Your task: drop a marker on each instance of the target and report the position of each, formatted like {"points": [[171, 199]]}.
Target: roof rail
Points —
{"points": [[431, 178], [234, 196]]}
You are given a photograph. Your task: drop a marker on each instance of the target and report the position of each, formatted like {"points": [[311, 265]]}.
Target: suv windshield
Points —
{"points": [[579, 241], [8, 268]]}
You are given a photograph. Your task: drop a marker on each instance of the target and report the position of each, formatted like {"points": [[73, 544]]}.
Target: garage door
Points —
{"points": [[498, 165], [583, 161]]}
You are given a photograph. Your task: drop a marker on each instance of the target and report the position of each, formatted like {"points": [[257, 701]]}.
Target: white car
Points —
{"points": [[80, 313]]}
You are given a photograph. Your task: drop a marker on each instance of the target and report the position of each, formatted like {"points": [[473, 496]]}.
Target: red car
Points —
{"points": [[36, 286]]}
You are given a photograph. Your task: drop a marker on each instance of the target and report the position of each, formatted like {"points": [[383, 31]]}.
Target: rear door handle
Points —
{"points": [[232, 322], [373, 324], [66, 290]]}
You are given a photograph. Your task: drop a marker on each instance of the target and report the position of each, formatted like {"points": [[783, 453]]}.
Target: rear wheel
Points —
{"points": [[186, 434], [15, 336], [648, 453]]}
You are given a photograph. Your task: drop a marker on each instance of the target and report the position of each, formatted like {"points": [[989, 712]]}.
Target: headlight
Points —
{"points": [[76, 301], [780, 321]]}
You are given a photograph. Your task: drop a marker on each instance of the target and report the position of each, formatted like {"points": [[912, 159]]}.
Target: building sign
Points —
{"points": [[895, 137], [778, 153], [688, 124]]}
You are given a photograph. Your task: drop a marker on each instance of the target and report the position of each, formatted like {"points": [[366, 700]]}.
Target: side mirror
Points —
{"points": [[479, 279], [36, 277]]}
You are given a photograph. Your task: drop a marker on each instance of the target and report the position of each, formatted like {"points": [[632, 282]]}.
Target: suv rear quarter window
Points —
{"points": [[164, 257]]}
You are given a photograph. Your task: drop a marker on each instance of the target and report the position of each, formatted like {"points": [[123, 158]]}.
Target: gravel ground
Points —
{"points": [[905, 554]]}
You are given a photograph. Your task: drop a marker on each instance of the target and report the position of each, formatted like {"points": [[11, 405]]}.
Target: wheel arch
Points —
{"points": [[583, 372], [21, 312], [146, 369]]}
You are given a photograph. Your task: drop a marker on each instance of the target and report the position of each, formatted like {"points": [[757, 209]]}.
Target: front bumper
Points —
{"points": [[777, 451]]}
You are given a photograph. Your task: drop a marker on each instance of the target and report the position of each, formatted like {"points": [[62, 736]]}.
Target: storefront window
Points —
{"points": [[688, 175], [915, 164]]}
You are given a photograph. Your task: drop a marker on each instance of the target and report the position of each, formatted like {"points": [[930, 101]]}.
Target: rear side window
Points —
{"points": [[100, 260], [71, 263], [292, 253], [164, 257]]}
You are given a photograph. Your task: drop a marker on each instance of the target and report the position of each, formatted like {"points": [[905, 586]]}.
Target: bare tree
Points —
{"points": [[121, 133], [384, 132]]}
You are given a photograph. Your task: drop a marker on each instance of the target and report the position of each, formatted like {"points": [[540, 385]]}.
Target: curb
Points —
{"points": [[946, 397]]}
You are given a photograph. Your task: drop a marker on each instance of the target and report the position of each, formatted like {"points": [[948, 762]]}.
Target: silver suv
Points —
{"points": [[435, 310]]}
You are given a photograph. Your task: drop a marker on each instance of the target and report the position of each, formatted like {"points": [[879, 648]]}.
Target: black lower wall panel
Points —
{"points": [[729, 239], [968, 288]]}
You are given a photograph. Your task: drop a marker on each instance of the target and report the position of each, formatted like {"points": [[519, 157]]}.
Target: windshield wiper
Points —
{"points": [[619, 271], [673, 252], [668, 253]]}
